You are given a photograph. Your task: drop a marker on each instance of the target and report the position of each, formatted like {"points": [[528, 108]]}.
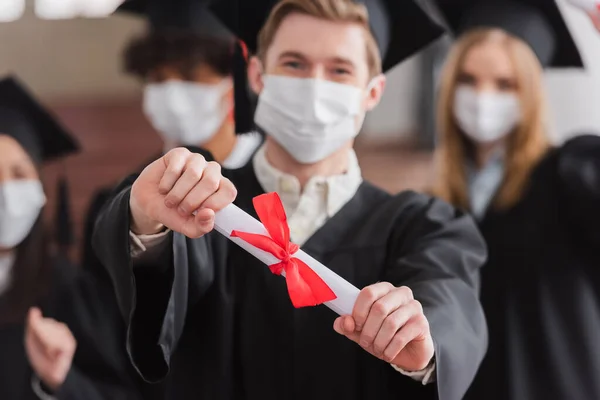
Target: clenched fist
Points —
{"points": [[50, 347], [181, 191], [389, 323]]}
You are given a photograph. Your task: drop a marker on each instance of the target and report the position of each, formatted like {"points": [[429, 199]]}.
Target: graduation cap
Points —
{"points": [[194, 16], [539, 23], [42, 137], [401, 27]]}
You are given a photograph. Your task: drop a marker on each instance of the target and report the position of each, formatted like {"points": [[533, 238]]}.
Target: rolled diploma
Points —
{"points": [[232, 218]]}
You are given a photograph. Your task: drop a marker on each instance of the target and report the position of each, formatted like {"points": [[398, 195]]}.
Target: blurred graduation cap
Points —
{"points": [[537, 22], [193, 16], [401, 27], [43, 138]]}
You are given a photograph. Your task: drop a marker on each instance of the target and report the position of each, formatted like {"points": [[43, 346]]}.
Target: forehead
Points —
{"points": [[320, 39], [488, 58], [11, 150]]}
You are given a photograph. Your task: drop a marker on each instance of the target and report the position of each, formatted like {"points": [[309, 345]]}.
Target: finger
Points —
{"points": [[34, 317], [175, 161], [206, 187], [223, 197], [191, 176], [393, 323], [52, 337], [344, 325], [199, 224], [365, 300], [380, 310], [415, 329]]}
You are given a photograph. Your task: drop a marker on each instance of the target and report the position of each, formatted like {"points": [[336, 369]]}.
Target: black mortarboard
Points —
{"points": [[401, 27], [194, 17], [537, 22], [42, 137], [185, 15]]}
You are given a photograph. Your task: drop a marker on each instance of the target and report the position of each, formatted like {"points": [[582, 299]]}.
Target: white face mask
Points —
{"points": [[20, 204], [186, 113], [309, 118], [486, 116]]}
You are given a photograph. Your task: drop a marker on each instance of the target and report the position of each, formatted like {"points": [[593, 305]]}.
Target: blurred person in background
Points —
{"points": [[34, 277], [195, 89], [29, 271], [536, 205]]}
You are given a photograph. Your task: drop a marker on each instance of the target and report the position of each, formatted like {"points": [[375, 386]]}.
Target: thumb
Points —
{"points": [[34, 317]]}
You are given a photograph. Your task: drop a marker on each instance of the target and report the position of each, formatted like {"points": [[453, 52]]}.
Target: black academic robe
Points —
{"points": [[100, 368], [217, 324], [541, 284], [15, 372]]}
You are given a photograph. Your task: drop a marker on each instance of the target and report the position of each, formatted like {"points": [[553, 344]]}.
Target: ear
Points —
{"points": [[255, 70], [375, 91]]}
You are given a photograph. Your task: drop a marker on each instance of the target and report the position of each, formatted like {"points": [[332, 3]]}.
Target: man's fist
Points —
{"points": [[389, 323], [50, 347], [181, 191]]}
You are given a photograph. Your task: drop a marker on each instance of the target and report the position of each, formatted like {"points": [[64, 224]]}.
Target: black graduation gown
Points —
{"points": [[541, 284], [15, 372], [218, 324], [100, 368]]}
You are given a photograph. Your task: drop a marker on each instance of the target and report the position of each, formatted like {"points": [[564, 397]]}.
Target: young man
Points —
{"points": [[190, 65], [215, 321]]}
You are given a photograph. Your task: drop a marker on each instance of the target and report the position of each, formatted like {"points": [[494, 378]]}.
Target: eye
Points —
{"points": [[341, 71], [467, 79], [505, 85], [293, 64]]}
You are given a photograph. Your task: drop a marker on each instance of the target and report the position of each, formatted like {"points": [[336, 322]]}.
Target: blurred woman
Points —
{"points": [[538, 208], [32, 276], [28, 272]]}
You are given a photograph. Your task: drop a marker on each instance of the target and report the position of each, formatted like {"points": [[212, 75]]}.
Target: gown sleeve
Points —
{"points": [[100, 198], [579, 186], [437, 252], [153, 298]]}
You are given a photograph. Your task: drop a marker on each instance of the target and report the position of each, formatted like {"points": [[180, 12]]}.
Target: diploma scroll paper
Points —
{"points": [[233, 218]]}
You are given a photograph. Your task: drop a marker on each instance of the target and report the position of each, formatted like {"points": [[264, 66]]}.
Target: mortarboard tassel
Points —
{"points": [[243, 107], [64, 221]]}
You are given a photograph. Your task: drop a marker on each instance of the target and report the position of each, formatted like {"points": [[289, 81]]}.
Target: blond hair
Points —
{"points": [[345, 11], [526, 145]]}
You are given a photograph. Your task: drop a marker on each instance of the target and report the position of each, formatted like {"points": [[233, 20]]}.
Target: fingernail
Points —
{"points": [[182, 211], [169, 203], [337, 326], [364, 343], [358, 328]]}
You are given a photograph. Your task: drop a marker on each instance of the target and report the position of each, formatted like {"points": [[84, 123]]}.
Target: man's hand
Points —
{"points": [[389, 323], [50, 347], [180, 191]]}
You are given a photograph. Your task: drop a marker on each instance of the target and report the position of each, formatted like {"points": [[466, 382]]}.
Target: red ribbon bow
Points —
{"points": [[305, 287]]}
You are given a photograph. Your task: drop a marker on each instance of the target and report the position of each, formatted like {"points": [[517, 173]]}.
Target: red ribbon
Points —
{"points": [[305, 287]]}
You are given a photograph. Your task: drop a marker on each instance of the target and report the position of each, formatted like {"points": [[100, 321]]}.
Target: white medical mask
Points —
{"points": [[309, 118], [20, 204], [186, 113], [486, 116]]}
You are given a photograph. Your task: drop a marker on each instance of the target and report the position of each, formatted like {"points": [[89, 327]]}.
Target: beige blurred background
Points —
{"points": [[75, 67]]}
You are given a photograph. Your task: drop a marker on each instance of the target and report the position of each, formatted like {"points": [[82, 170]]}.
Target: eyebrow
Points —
{"points": [[344, 61], [292, 54]]}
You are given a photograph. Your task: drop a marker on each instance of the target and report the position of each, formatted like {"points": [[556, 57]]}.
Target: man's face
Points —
{"points": [[308, 47]]}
